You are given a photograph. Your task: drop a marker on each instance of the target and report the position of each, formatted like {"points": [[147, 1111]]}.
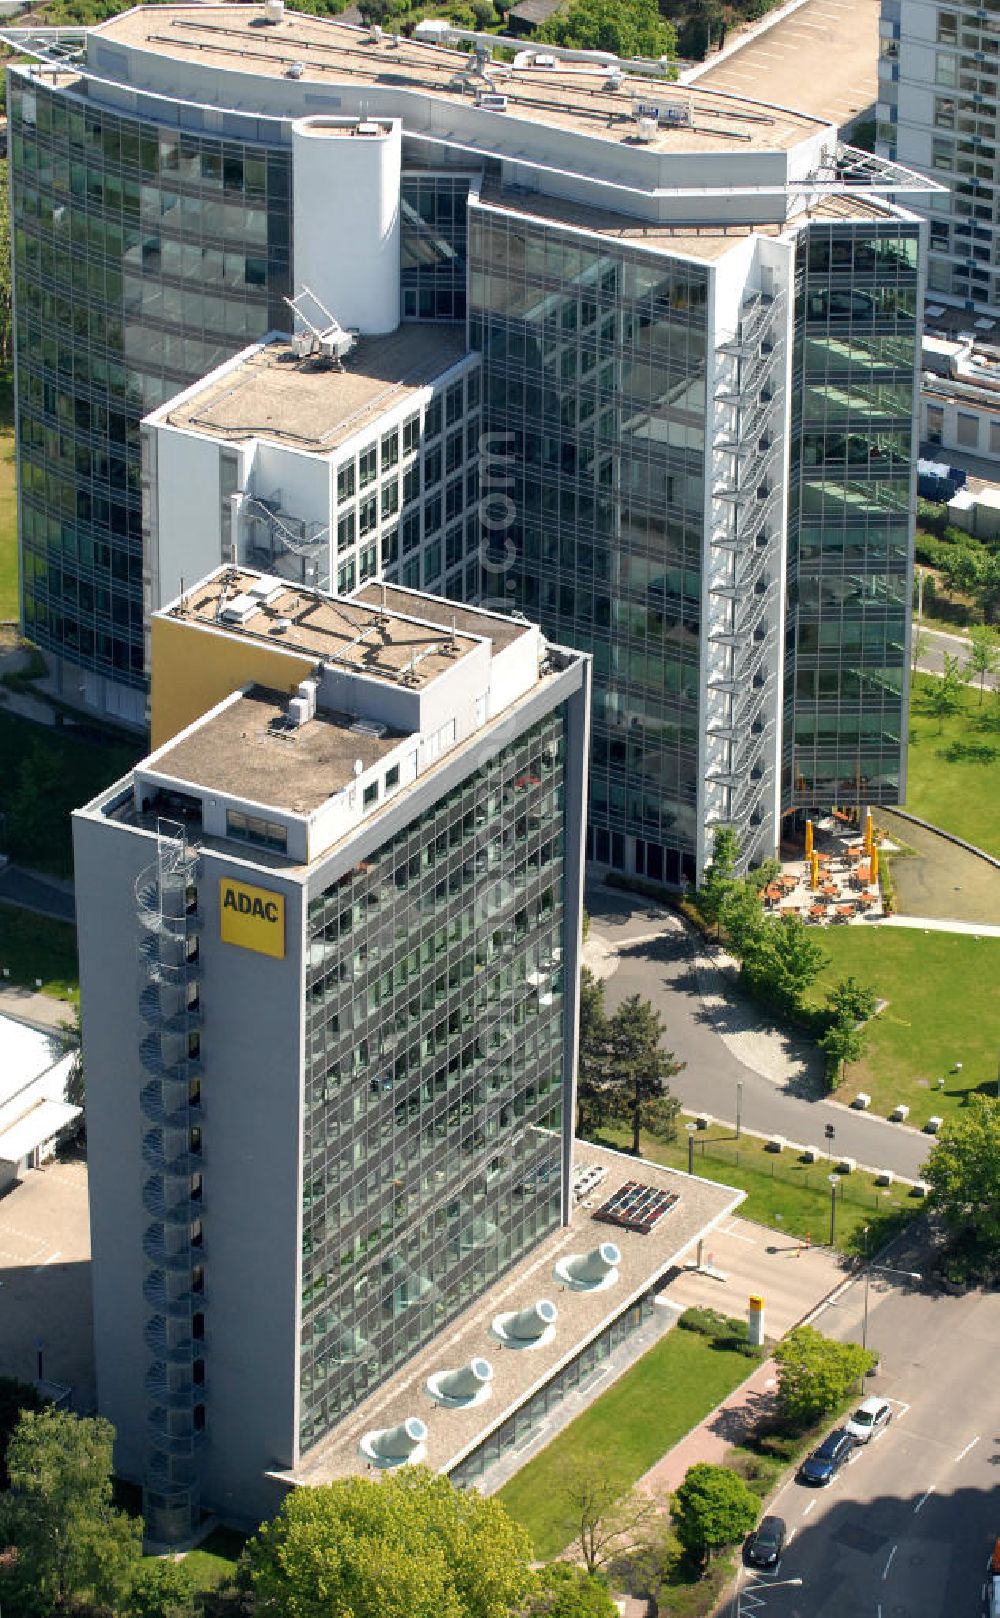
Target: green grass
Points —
{"points": [[954, 770], [782, 1191], [630, 1427], [34, 947], [943, 1008], [46, 773], [215, 1559]]}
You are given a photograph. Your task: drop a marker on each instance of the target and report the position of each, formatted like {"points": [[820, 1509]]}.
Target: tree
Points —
{"points": [[628, 28], [71, 1542], [591, 1096], [600, 1520], [711, 896], [563, 1591], [161, 1589], [944, 692], [984, 656], [742, 915], [408, 1546], [638, 1070], [963, 1170], [15, 1398], [70, 1036], [781, 960], [815, 1374], [852, 1001], [842, 1043], [712, 1508], [918, 646]]}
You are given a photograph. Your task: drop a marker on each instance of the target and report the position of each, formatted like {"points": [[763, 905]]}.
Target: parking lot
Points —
{"points": [[45, 1280]]}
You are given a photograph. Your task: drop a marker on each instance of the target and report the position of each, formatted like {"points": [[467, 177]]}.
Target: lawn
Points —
{"points": [[46, 773], [943, 1008], [33, 947], [644, 1414], [782, 1191], [954, 769]]}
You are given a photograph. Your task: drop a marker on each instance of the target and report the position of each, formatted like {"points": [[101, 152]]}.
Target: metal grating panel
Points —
{"points": [[636, 1207]]}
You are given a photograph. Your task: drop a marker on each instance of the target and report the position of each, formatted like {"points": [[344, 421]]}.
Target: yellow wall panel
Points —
{"points": [[194, 668]]}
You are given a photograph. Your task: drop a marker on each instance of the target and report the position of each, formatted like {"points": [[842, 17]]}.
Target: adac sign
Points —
{"points": [[253, 918]]}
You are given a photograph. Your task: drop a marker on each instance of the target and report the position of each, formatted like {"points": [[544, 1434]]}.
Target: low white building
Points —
{"points": [[34, 1112]]}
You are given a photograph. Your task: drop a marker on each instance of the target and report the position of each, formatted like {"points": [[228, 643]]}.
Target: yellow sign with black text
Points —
{"points": [[253, 918]]}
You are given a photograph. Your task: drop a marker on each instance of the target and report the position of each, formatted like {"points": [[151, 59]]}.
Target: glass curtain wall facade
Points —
{"points": [[433, 245], [849, 498], [143, 255], [592, 494], [434, 1056]]}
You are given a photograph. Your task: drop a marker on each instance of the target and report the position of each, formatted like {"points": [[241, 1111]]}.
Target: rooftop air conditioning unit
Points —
{"points": [[274, 11], [298, 711], [490, 102], [646, 129], [296, 70], [369, 127], [615, 79], [240, 609], [374, 34]]}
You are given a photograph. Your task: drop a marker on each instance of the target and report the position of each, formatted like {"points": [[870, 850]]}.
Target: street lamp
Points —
{"points": [[834, 1182], [888, 1269], [691, 1128], [739, 1104]]}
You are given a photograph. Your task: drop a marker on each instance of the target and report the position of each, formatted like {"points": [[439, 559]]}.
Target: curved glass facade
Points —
{"points": [[849, 522], [143, 255], [594, 361]]}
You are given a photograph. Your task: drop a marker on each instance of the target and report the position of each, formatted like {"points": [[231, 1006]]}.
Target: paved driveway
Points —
{"points": [[45, 1280], [822, 59]]}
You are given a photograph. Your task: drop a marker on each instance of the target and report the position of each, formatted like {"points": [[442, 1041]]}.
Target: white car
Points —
{"points": [[869, 1418]]}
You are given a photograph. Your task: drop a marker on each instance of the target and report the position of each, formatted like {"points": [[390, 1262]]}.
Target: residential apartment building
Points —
{"points": [[686, 326], [329, 953]]}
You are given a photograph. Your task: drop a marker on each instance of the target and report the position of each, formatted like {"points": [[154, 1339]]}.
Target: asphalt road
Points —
{"points": [[32, 892], [935, 643], [906, 1529], [662, 971]]}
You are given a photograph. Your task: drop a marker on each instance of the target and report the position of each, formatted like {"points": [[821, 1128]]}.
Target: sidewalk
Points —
{"points": [[40, 1010]]}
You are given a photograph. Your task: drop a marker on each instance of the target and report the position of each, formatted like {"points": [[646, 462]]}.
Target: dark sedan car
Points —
{"points": [[825, 1462], [767, 1542]]}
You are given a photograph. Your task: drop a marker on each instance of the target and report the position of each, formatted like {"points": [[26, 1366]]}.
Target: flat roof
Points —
{"points": [[271, 394], [446, 614], [246, 749], [344, 631], [569, 96], [692, 241], [645, 1260], [25, 1053]]}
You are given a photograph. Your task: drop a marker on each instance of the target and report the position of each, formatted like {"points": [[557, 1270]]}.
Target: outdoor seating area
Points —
{"points": [[836, 882]]}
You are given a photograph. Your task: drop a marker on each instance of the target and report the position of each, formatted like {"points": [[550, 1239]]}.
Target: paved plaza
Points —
{"points": [[45, 1280]]}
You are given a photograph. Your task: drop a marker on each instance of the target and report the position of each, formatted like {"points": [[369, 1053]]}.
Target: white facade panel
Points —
{"points": [[345, 187]]}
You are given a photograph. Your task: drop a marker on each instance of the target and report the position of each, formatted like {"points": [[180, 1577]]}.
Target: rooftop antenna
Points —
{"points": [[382, 616], [321, 338]]}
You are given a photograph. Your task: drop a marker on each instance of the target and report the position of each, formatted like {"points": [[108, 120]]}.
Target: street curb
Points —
{"points": [[801, 1146]]}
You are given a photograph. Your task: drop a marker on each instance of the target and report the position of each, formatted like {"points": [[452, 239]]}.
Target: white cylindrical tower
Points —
{"points": [[345, 189]]}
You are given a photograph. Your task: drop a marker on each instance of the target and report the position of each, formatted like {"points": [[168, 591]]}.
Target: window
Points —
{"points": [[967, 431], [411, 482], [935, 423], [368, 561], [432, 467], [453, 499], [370, 795], [390, 450], [345, 481], [411, 435], [254, 829], [390, 545], [390, 498], [454, 404], [432, 418], [392, 779], [432, 563], [346, 530], [345, 578], [367, 515], [944, 113], [368, 466], [411, 532], [947, 29], [995, 437], [453, 452]]}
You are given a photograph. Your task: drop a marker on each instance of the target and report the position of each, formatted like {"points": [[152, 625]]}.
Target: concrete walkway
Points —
{"points": [[40, 1010], [937, 924]]}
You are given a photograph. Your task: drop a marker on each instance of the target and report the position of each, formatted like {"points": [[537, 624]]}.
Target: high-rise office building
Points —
{"points": [[695, 328], [938, 99], [329, 954], [937, 111]]}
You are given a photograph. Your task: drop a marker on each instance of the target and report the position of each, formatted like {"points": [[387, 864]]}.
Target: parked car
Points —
{"points": [[870, 1418], [767, 1542], [825, 1462]]}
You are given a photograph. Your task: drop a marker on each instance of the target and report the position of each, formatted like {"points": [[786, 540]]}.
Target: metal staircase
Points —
{"points": [[170, 1099]]}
